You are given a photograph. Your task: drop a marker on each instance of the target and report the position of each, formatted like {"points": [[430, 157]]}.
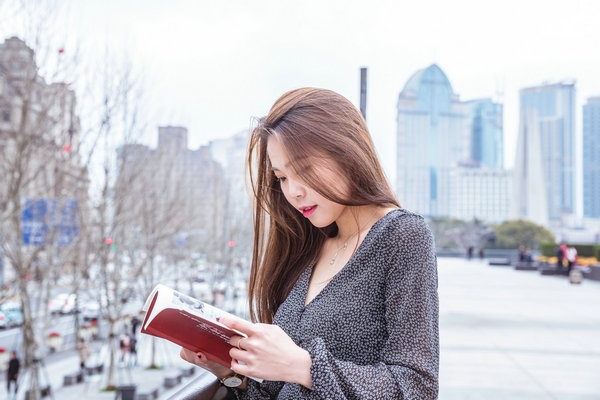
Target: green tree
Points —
{"points": [[511, 234]]}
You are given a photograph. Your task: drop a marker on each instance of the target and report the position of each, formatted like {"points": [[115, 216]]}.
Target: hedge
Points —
{"points": [[583, 250]]}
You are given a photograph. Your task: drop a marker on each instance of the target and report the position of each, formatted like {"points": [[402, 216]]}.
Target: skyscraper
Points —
{"points": [[544, 175], [487, 148], [433, 136], [591, 158]]}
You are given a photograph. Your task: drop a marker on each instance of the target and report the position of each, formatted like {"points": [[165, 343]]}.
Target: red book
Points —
{"points": [[189, 323]]}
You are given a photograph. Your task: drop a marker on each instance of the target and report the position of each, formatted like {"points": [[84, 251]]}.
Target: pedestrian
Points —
{"points": [[521, 253], [481, 253], [571, 258], [12, 374], [343, 281], [84, 352], [133, 351], [134, 324], [561, 254], [470, 252], [124, 341]]}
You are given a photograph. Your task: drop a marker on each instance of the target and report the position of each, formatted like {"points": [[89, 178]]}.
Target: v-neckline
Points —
{"points": [[344, 268]]}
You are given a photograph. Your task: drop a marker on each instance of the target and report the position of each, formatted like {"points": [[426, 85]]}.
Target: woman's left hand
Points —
{"points": [[268, 353]]}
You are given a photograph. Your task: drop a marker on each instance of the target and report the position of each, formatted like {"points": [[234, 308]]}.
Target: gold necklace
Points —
{"points": [[345, 245]]}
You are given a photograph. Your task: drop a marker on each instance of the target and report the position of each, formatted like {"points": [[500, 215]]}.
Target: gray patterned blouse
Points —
{"points": [[372, 332]]}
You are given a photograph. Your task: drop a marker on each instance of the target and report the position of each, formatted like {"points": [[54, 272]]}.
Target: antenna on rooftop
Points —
{"points": [[363, 92]]}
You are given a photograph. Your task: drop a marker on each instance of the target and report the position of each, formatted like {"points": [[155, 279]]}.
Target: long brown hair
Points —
{"points": [[317, 128]]}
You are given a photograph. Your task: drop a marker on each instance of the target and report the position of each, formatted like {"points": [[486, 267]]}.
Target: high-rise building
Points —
{"points": [[487, 148], [544, 175], [591, 158], [481, 193], [432, 137], [184, 186]]}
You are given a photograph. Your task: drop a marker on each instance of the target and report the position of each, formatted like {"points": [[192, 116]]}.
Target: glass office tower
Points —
{"points": [[591, 158], [432, 137], [487, 148], [545, 163]]}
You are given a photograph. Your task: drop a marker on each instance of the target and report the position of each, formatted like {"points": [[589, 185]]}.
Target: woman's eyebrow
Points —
{"points": [[287, 164]]}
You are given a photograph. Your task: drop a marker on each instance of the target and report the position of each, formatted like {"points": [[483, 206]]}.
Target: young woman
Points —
{"points": [[343, 285]]}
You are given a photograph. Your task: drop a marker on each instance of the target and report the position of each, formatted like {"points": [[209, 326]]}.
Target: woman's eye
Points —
{"points": [[281, 179]]}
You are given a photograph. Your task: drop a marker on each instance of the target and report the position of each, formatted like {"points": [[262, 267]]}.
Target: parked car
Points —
{"points": [[62, 303], [90, 311], [10, 314]]}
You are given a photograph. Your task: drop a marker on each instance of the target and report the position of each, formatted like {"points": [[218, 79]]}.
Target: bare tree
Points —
{"points": [[41, 176]]}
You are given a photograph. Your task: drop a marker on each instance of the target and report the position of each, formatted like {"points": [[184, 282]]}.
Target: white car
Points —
{"points": [[90, 311], [62, 303]]}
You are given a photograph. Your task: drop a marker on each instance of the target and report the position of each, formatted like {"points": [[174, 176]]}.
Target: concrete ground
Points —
{"points": [[507, 334]]}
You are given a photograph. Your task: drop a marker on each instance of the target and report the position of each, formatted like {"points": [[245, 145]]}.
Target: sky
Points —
{"points": [[213, 65]]}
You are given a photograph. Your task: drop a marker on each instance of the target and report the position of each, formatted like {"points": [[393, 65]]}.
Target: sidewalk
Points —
{"points": [[507, 334], [60, 364]]}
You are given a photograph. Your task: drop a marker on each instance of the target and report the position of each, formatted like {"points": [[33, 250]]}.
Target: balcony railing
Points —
{"points": [[204, 387]]}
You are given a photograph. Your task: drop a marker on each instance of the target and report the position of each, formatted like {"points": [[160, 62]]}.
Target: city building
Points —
{"points": [[42, 177], [480, 193], [231, 153], [544, 175], [172, 186], [487, 141], [591, 158], [449, 152], [432, 137]]}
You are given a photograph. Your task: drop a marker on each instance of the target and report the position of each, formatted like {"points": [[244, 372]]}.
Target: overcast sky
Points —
{"points": [[212, 65]]}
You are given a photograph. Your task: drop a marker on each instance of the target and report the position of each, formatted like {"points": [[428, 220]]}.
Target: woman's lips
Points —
{"points": [[307, 211]]}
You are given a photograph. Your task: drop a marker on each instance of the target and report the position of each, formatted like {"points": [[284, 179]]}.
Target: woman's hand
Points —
{"points": [[268, 353], [200, 360]]}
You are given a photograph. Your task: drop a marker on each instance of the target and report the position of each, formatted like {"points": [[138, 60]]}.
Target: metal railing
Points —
{"points": [[204, 387]]}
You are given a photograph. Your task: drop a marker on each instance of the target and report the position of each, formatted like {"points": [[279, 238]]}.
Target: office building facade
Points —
{"points": [[480, 193], [432, 137], [544, 176], [486, 126], [449, 152], [591, 158]]}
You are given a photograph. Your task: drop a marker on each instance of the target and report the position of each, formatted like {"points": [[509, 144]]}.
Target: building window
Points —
{"points": [[6, 115]]}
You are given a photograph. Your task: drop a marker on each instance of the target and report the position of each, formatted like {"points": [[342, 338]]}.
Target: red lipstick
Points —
{"points": [[307, 211]]}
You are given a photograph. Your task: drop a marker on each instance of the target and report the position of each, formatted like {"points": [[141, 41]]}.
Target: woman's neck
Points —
{"points": [[356, 220]]}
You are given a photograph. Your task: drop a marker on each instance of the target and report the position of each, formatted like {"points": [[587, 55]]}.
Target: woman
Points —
{"points": [[344, 289]]}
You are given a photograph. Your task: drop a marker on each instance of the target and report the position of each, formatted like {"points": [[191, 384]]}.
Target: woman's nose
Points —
{"points": [[297, 189]]}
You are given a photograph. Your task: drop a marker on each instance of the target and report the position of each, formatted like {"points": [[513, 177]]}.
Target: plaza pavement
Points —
{"points": [[504, 334], [517, 335]]}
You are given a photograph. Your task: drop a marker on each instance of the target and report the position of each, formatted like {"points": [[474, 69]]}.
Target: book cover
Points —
{"points": [[189, 323]]}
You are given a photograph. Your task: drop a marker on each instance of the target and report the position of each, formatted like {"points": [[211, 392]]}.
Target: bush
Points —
{"points": [[583, 250], [547, 249]]}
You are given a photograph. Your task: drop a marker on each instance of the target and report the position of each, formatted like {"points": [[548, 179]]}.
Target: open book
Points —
{"points": [[189, 323]]}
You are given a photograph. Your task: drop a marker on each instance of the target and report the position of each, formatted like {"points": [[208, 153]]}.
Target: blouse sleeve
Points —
{"points": [[259, 391], [410, 359]]}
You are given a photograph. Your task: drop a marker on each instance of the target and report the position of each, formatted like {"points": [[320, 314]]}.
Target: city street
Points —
{"points": [[504, 334]]}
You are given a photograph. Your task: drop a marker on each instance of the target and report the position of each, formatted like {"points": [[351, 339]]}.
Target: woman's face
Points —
{"points": [[320, 211]]}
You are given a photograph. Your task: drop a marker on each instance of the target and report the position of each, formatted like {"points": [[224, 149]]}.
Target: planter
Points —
{"points": [[85, 332], [4, 357], [54, 340]]}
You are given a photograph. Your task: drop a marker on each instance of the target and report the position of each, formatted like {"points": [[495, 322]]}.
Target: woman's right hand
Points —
{"points": [[200, 360]]}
